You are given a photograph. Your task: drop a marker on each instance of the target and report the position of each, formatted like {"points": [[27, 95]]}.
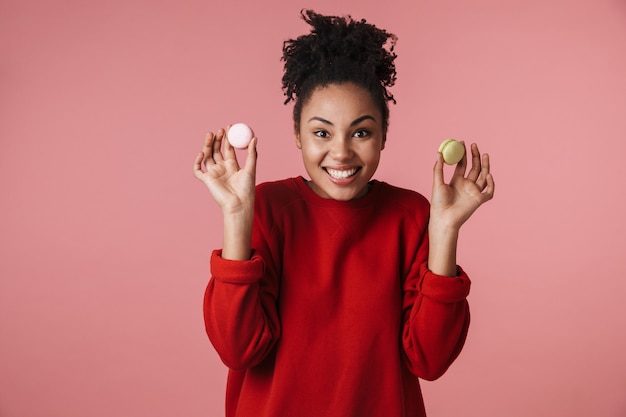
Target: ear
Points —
{"points": [[296, 133], [382, 145]]}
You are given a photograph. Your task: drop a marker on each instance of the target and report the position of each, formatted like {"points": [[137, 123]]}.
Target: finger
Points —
{"points": [[207, 149], [459, 171], [476, 166], [250, 166], [438, 171], [229, 150], [490, 189], [484, 171], [217, 146], [197, 165]]}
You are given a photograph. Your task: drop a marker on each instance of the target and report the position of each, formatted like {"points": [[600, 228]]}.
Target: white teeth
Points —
{"points": [[341, 174]]}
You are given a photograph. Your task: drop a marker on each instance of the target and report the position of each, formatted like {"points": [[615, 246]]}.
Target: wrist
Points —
{"points": [[442, 230], [238, 209], [443, 241], [237, 236]]}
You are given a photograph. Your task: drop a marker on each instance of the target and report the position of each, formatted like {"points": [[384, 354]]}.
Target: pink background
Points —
{"points": [[105, 234]]}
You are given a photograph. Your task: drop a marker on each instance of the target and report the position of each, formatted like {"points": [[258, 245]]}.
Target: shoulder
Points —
{"points": [[277, 194], [404, 198], [403, 206], [279, 188]]}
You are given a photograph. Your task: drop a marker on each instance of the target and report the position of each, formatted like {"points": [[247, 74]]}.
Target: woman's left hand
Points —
{"points": [[452, 204]]}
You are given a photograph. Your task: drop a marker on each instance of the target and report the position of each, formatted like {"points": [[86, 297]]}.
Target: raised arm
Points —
{"points": [[452, 204], [232, 188]]}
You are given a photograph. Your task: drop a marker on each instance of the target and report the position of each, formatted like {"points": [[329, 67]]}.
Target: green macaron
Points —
{"points": [[452, 151]]}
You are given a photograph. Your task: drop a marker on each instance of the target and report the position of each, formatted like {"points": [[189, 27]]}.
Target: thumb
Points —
{"points": [[438, 171], [250, 165]]}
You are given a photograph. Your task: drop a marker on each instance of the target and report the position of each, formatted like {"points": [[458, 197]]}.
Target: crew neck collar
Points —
{"points": [[311, 197]]}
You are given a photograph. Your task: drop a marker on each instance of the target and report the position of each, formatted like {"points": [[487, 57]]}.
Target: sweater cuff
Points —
{"points": [[446, 289], [236, 272]]}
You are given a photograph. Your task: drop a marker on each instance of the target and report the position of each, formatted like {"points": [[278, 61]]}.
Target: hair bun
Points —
{"points": [[338, 46]]}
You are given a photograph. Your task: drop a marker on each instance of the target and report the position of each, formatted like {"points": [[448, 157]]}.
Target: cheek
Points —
{"points": [[373, 151], [309, 151], [312, 152]]}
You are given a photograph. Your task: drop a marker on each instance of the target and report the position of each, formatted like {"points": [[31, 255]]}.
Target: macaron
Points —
{"points": [[452, 151], [239, 135]]}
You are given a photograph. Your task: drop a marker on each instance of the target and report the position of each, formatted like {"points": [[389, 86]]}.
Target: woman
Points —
{"points": [[332, 295]]}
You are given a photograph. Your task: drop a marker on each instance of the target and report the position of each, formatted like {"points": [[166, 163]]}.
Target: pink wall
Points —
{"points": [[105, 234]]}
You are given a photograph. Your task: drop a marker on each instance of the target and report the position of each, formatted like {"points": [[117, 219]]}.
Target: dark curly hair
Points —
{"points": [[339, 50]]}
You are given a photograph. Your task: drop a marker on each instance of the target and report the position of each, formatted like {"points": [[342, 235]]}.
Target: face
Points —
{"points": [[341, 137]]}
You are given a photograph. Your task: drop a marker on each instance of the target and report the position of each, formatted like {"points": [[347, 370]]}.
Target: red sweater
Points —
{"points": [[336, 313]]}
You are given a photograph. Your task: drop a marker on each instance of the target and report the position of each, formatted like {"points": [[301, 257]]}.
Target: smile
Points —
{"points": [[340, 174]]}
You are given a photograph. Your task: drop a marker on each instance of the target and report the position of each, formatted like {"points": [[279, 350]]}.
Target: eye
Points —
{"points": [[361, 133], [321, 133]]}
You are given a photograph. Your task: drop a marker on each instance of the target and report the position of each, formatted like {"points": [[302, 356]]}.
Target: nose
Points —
{"points": [[340, 148]]}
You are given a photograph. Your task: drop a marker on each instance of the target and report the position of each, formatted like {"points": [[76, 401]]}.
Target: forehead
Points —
{"points": [[340, 99]]}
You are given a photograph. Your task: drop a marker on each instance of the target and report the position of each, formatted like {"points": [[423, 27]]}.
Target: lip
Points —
{"points": [[342, 181]]}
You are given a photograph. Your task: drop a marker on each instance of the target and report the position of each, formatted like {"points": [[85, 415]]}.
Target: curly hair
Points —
{"points": [[336, 51]]}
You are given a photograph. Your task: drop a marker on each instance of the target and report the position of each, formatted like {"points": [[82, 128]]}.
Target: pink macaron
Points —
{"points": [[239, 135]]}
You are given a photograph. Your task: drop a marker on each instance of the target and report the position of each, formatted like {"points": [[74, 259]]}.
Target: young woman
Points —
{"points": [[332, 295]]}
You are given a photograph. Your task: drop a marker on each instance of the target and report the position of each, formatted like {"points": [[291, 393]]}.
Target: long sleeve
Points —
{"points": [[240, 311], [435, 318]]}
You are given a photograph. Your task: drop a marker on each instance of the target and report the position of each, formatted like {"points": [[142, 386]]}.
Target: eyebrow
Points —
{"points": [[354, 122]]}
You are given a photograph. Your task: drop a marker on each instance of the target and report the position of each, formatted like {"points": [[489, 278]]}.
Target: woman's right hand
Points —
{"points": [[232, 187]]}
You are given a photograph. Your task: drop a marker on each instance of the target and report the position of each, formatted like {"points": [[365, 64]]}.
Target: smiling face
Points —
{"points": [[341, 136]]}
